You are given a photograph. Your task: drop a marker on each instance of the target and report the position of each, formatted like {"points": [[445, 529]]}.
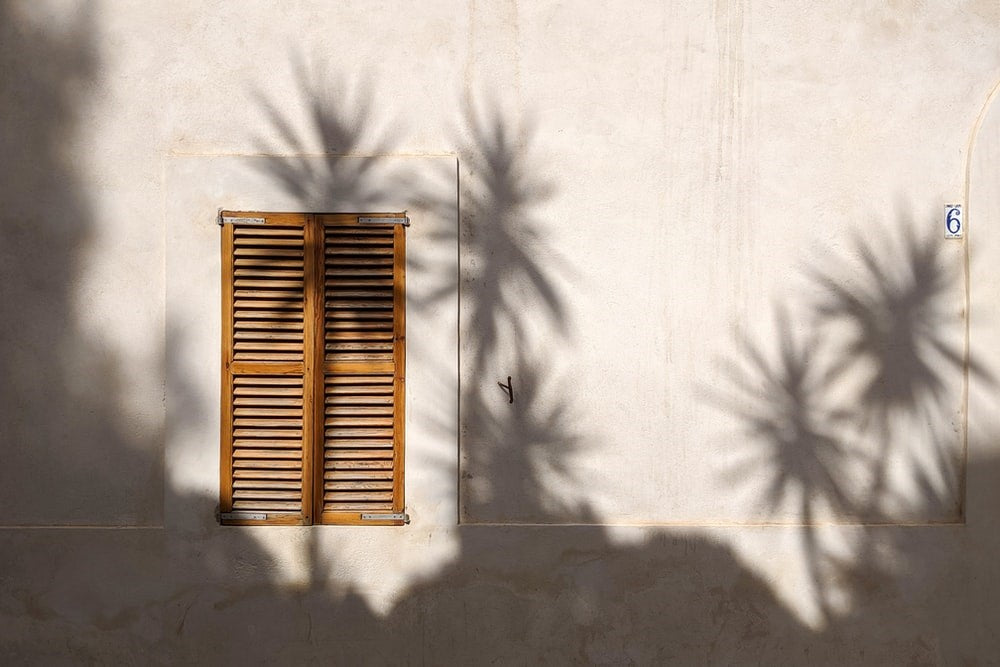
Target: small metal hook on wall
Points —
{"points": [[509, 388]]}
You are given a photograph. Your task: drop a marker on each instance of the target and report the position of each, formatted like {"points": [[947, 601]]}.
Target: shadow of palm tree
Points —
{"points": [[899, 328], [793, 434], [519, 457], [793, 437], [501, 236], [881, 364], [513, 456], [341, 136]]}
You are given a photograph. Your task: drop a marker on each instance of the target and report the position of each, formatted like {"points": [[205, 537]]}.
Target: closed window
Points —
{"points": [[313, 362]]}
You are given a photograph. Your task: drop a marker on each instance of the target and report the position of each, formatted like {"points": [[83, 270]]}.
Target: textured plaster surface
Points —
{"points": [[704, 240]]}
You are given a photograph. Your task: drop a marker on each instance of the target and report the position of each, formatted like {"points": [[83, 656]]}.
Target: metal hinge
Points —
{"points": [[402, 516], [240, 220], [404, 220]]}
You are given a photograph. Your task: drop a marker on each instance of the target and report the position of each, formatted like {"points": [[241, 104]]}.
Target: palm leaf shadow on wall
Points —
{"points": [[872, 370]]}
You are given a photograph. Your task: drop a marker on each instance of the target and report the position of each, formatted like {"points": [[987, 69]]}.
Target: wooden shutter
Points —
{"points": [[313, 369], [268, 307], [363, 372]]}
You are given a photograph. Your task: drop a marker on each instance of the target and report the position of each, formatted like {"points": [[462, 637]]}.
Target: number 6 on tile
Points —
{"points": [[954, 225]]}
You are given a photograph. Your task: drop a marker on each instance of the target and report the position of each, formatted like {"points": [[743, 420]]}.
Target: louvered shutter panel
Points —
{"points": [[269, 314], [361, 425]]}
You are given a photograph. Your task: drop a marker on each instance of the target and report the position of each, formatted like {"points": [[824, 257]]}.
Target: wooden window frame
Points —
{"points": [[319, 368]]}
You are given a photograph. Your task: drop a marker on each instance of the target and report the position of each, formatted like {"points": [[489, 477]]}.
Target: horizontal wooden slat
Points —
{"points": [[349, 383], [267, 356], [268, 400], [359, 346], [355, 465], [268, 292], [289, 284], [351, 282], [360, 507], [345, 432], [342, 475], [263, 494], [257, 263], [258, 336], [243, 450], [268, 423], [371, 398], [354, 293], [293, 369], [359, 410], [341, 262], [268, 474], [268, 391], [340, 335], [265, 380], [268, 484], [358, 453], [258, 465], [345, 496], [267, 272], [337, 306], [257, 411], [348, 367], [348, 224], [274, 231], [267, 346], [267, 241], [264, 506], [269, 304], [268, 314], [263, 326], [362, 421], [358, 485], [358, 273], [284, 253], [354, 442], [265, 433], [358, 240], [358, 326], [349, 254], [359, 319]]}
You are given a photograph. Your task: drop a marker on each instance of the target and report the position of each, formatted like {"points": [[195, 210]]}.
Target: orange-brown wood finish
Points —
{"points": [[226, 423], [361, 450], [265, 397], [313, 394]]}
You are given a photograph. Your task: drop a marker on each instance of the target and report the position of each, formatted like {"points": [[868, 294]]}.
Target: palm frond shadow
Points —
{"points": [[333, 162], [501, 235], [897, 311], [792, 435], [831, 419], [515, 454]]}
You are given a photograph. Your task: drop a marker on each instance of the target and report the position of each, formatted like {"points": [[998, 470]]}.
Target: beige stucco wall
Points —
{"points": [[754, 385]]}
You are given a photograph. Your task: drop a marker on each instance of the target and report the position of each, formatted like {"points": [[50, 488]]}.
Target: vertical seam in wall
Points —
{"points": [[970, 147]]}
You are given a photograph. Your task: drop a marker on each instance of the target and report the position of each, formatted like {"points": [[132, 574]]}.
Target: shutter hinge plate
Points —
{"points": [[238, 220]]}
